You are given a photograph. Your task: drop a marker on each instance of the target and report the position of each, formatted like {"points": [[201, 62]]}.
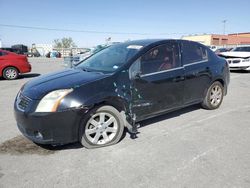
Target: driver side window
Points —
{"points": [[160, 58]]}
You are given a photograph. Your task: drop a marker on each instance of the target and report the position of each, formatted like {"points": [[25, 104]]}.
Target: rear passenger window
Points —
{"points": [[193, 52], [160, 58]]}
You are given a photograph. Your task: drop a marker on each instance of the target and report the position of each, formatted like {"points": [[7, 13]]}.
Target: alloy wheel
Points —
{"points": [[101, 128], [215, 95], [10, 73]]}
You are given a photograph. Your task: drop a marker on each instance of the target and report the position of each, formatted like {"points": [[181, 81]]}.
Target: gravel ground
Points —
{"points": [[191, 147]]}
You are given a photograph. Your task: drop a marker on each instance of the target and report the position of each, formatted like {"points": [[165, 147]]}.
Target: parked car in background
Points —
{"points": [[20, 48], [118, 87], [238, 58], [53, 54], [9, 50], [12, 64], [33, 54], [220, 50]]}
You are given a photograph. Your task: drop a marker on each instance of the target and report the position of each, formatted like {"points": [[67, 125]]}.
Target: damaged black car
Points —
{"points": [[118, 87]]}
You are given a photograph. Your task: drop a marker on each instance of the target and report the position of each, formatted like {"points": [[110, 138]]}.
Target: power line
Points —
{"points": [[71, 30], [90, 31]]}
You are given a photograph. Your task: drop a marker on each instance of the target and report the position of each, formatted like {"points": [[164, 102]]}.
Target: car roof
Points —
{"points": [[146, 42], [8, 52], [1, 50]]}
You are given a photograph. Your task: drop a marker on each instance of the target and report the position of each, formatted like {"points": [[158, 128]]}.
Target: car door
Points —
{"points": [[197, 71], [157, 81]]}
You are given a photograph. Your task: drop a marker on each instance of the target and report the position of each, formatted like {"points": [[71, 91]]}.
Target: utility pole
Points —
{"points": [[224, 26]]}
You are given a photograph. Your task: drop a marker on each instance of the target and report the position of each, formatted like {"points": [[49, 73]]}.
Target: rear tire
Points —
{"points": [[214, 96], [10, 73], [103, 126]]}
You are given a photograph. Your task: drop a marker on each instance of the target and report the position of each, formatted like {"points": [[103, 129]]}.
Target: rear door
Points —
{"points": [[160, 84], [197, 71]]}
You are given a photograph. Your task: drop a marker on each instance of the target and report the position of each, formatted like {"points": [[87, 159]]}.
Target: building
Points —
{"points": [[221, 40], [240, 34]]}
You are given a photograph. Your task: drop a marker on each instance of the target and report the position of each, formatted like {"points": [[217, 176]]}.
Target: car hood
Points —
{"points": [[236, 54], [70, 78]]}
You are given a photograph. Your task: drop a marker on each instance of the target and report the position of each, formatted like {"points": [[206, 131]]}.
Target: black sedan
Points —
{"points": [[118, 87]]}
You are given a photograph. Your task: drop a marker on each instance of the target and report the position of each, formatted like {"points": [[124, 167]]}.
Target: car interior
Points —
{"points": [[161, 58]]}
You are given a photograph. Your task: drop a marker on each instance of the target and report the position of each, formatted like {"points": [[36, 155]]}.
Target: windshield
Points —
{"points": [[110, 59], [242, 49]]}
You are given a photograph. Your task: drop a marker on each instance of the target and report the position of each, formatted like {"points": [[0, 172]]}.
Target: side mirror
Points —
{"points": [[137, 75], [134, 70]]}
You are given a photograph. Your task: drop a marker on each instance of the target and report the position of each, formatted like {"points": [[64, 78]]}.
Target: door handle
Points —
{"points": [[179, 78]]}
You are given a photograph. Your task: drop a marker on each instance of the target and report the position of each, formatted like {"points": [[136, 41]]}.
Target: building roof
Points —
{"points": [[239, 33]]}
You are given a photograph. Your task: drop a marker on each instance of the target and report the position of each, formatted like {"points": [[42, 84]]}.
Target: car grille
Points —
{"points": [[22, 102], [236, 61]]}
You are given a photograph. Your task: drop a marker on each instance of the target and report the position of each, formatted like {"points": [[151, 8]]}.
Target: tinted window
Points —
{"points": [[160, 58], [111, 58], [193, 52]]}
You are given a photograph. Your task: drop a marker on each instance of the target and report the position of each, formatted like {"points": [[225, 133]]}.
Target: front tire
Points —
{"points": [[214, 96], [104, 126], [10, 73]]}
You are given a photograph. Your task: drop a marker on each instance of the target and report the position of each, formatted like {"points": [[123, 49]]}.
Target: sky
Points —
{"points": [[90, 22]]}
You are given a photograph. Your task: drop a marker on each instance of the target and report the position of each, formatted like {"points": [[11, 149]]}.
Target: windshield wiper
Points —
{"points": [[85, 70], [90, 70]]}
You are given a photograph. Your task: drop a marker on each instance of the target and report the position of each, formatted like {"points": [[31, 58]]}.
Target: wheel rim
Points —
{"points": [[11, 73], [101, 128], [215, 95]]}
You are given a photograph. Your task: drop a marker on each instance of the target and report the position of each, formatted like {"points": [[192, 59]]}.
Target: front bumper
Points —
{"points": [[238, 64], [50, 128], [26, 68], [240, 68]]}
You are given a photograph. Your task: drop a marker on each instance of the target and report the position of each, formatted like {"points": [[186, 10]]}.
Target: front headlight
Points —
{"points": [[246, 60], [51, 101]]}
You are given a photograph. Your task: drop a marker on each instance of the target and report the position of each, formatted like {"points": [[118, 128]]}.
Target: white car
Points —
{"points": [[238, 58]]}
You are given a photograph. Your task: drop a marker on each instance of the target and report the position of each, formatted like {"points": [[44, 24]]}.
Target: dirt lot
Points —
{"points": [[191, 147]]}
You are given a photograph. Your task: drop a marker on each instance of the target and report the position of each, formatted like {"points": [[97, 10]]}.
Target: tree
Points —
{"points": [[64, 43]]}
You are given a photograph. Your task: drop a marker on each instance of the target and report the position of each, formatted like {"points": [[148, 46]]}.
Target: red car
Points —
{"points": [[11, 65]]}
